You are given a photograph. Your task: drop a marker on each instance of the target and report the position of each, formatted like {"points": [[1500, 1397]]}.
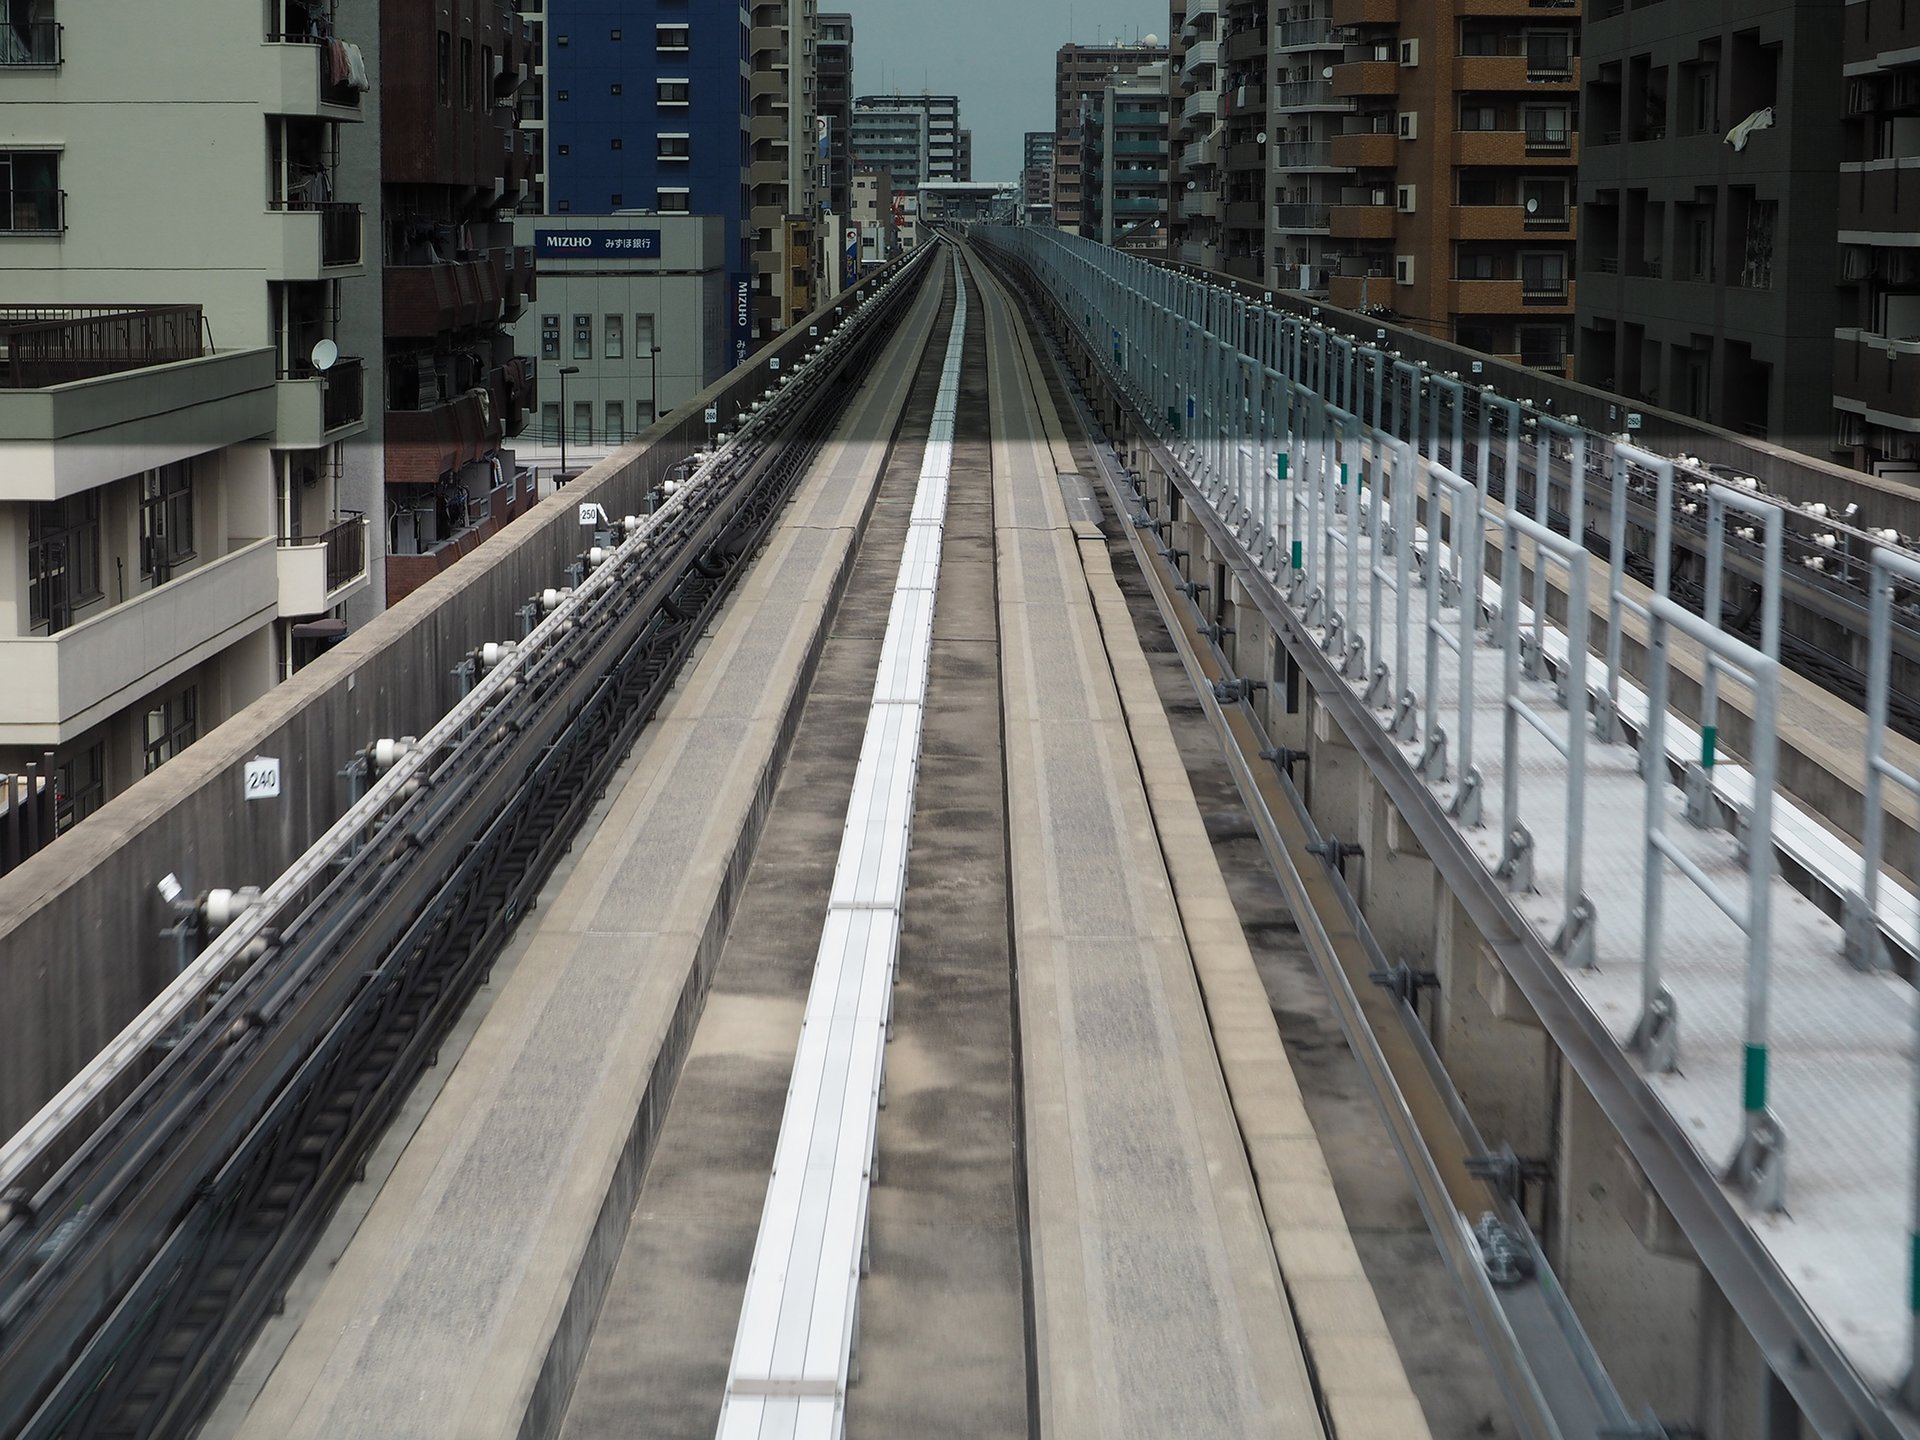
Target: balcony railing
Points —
{"points": [[346, 546], [343, 398], [34, 45], [51, 345], [1296, 217]]}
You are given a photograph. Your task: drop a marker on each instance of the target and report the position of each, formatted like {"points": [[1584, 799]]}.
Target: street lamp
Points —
{"points": [[565, 370], [653, 383]]}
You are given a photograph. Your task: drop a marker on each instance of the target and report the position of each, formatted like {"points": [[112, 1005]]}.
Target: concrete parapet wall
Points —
{"points": [[81, 951]]}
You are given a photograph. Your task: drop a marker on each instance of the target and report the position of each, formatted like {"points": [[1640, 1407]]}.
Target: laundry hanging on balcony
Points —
{"points": [[1759, 120], [357, 68]]}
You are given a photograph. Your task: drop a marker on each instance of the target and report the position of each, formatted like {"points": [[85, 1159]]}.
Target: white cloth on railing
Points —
{"points": [[357, 68], [1759, 120]]}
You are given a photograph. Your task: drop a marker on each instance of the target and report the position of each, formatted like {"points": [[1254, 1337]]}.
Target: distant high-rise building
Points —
{"points": [[1080, 74], [1123, 165], [642, 111], [1036, 177], [913, 152], [834, 91], [965, 165], [784, 160]]}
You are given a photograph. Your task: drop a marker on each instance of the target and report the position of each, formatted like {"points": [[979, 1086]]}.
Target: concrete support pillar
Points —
{"points": [[1398, 886], [1489, 1039], [1622, 1259], [1337, 778]]}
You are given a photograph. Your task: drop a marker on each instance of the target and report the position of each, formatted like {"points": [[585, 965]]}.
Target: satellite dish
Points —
{"points": [[1261, 138], [1327, 74], [1533, 206], [1190, 184], [325, 352]]}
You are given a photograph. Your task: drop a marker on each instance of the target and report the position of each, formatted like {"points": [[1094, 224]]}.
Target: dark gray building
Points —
{"points": [[1709, 180], [1876, 348], [834, 86]]}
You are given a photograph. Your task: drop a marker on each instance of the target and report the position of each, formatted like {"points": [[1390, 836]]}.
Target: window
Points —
{"points": [[172, 725], [672, 37], [1550, 52], [550, 422], [616, 200], [642, 415], [549, 337], [1543, 273], [616, 422], [1479, 117], [613, 330], [672, 92], [63, 558], [443, 67], [642, 334], [614, 36], [1476, 265], [583, 422], [466, 73], [614, 90], [565, 149], [561, 97], [1545, 201], [1547, 125], [673, 147], [617, 142], [81, 783], [166, 520], [583, 337], [30, 190], [1479, 187], [561, 207], [673, 202]]}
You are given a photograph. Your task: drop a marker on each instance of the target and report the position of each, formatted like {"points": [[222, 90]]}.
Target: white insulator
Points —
{"points": [[596, 557], [550, 599], [1747, 482], [223, 907], [1696, 487], [1689, 508], [494, 651], [1889, 535], [387, 753], [1745, 532], [1814, 562], [629, 523], [1826, 540], [1817, 510], [669, 487]]}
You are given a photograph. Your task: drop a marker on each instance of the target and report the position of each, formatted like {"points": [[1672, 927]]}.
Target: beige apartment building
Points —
{"points": [[785, 172], [185, 462]]}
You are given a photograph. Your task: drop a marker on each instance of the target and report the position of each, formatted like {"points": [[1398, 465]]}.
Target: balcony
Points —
{"points": [[59, 685], [1366, 77], [1201, 102], [316, 408], [1202, 56], [302, 83], [318, 572], [1510, 297], [1515, 149], [1364, 12], [1302, 155], [1200, 154], [1376, 150], [426, 441], [1309, 95], [1879, 197], [1510, 222], [34, 46], [1359, 293], [1299, 219], [1314, 32], [1245, 45], [1878, 377], [1247, 155], [1200, 204], [424, 300], [1245, 214], [318, 236], [1360, 222]]}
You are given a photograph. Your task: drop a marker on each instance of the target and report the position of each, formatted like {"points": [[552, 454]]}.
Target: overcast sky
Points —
{"points": [[996, 55]]}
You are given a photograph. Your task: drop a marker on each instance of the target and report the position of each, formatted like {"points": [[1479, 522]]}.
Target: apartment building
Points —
{"points": [[649, 109], [185, 466], [1308, 125], [453, 165], [1450, 202], [1876, 344], [1710, 179], [916, 138], [963, 165], [1197, 200], [835, 90], [1036, 177], [1242, 171], [782, 58], [1081, 73], [1124, 162]]}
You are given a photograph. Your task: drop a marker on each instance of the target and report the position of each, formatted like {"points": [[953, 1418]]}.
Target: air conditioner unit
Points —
{"points": [[1409, 52], [1403, 269], [1404, 201], [1409, 124]]}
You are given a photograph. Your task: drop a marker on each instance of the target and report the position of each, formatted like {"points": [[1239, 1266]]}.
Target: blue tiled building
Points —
{"points": [[646, 106]]}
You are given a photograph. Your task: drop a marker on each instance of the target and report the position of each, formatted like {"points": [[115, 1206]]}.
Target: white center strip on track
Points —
{"points": [[793, 1353]]}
